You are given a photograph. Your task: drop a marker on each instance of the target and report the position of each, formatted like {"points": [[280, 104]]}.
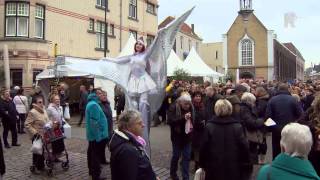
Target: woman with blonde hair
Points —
{"points": [[224, 153]]}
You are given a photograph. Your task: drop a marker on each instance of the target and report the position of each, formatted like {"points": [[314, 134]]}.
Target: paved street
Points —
{"points": [[18, 159]]}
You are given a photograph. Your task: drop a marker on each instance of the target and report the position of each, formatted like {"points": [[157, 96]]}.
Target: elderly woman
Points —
{"points": [[36, 119], [224, 153], [292, 163], [252, 124], [128, 156], [55, 115], [181, 118]]}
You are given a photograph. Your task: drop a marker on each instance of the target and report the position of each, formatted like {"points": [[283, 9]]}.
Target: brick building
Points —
{"points": [[250, 48], [33, 28]]}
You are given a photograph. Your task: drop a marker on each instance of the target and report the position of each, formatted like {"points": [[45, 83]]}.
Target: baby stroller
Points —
{"points": [[53, 148]]}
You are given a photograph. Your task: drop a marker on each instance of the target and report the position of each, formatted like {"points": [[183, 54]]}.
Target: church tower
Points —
{"points": [[245, 6]]}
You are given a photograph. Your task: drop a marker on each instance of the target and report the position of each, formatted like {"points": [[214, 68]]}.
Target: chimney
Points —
{"points": [[192, 27]]}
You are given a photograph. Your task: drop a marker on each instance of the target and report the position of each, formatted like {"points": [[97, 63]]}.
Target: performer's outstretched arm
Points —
{"points": [[120, 60]]}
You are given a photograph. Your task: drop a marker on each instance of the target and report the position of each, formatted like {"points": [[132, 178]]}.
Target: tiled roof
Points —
{"points": [[185, 28]]}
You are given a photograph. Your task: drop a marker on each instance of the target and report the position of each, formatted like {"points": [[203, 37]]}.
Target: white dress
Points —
{"points": [[139, 80]]}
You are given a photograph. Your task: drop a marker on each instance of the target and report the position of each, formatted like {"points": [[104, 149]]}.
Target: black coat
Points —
{"points": [[2, 162], [8, 111], [128, 159], [209, 103], [177, 123], [261, 106], [108, 113], [83, 100], [283, 109], [307, 101], [198, 127], [224, 154], [249, 118]]}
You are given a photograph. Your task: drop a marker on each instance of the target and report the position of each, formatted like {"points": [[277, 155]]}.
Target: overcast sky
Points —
{"points": [[212, 18]]}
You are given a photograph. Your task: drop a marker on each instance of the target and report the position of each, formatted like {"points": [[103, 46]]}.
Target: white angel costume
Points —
{"points": [[139, 80], [144, 90]]}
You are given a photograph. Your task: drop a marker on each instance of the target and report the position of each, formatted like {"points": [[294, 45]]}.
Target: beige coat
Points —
{"points": [[36, 119]]}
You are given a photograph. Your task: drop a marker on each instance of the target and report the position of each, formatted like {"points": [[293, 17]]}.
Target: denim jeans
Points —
{"points": [[177, 150]]}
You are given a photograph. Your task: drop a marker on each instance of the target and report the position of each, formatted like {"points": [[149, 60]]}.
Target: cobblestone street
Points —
{"points": [[19, 159]]}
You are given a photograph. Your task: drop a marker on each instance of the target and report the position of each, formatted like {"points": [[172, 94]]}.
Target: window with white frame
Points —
{"points": [[134, 33], [39, 21], [91, 24], [190, 44], [17, 19], [100, 33], [102, 3], [133, 9], [111, 30], [151, 8], [246, 52]]}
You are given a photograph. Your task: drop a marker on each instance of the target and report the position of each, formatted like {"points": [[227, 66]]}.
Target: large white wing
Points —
{"points": [[158, 54]]}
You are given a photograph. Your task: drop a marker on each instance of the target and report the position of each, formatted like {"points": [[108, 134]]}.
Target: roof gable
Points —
{"points": [[185, 28]]}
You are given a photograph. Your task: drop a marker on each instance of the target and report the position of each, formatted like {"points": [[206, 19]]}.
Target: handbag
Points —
{"points": [[36, 147], [200, 174], [66, 113]]}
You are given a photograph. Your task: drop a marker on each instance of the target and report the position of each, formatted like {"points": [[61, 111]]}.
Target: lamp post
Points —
{"points": [[105, 28]]}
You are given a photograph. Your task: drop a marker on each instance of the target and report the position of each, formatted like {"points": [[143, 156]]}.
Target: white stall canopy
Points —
{"points": [[173, 63], [197, 67]]}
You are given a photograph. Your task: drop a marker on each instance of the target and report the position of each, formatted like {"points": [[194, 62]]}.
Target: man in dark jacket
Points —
{"points": [[283, 109], [9, 119], [210, 100], [82, 102], [119, 100], [106, 108], [179, 113], [129, 160], [308, 99]]}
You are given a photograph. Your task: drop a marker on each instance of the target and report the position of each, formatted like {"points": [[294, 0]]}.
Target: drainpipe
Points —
{"points": [[120, 26]]}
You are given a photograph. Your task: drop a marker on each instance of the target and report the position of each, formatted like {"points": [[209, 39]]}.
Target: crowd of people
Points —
{"points": [[221, 127], [229, 126]]}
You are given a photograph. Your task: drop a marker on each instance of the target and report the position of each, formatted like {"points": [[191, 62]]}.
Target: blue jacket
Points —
{"points": [[96, 121]]}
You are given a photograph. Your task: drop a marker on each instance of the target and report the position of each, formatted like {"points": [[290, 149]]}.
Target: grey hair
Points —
{"points": [[296, 139], [248, 98], [127, 118]]}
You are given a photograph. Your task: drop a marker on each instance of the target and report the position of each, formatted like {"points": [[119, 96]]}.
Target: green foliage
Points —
{"points": [[181, 74]]}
